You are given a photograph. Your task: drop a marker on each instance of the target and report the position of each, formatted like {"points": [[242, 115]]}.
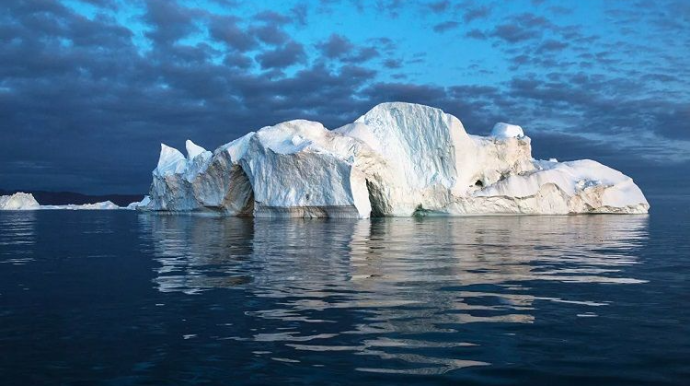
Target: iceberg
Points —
{"points": [[26, 201], [398, 159], [139, 204], [18, 201], [105, 205]]}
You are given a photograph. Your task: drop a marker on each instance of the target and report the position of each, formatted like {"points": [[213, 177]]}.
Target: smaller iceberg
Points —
{"points": [[105, 205], [139, 205], [26, 201], [19, 201]]}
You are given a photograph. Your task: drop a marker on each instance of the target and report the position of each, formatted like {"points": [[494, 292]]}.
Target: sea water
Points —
{"points": [[127, 298]]}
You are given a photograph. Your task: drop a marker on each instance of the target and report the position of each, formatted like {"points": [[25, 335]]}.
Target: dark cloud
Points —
{"points": [[270, 34], [337, 46], [523, 27], [85, 104], [290, 54], [341, 48], [439, 6], [514, 33], [446, 26], [225, 29], [272, 17], [300, 12], [476, 34], [170, 22], [363, 54], [476, 13], [110, 4], [560, 10], [391, 7], [552, 45], [392, 63]]}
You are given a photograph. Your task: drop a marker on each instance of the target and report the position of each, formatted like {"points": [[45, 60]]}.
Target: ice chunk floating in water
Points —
{"points": [[18, 201], [399, 159], [26, 201]]}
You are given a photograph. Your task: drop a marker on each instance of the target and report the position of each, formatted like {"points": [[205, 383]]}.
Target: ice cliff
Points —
{"points": [[399, 159]]}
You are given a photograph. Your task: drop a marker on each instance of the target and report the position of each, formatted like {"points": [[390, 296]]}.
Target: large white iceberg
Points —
{"points": [[399, 159]]}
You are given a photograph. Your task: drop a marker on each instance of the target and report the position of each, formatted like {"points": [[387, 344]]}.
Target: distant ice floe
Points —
{"points": [[26, 201]]}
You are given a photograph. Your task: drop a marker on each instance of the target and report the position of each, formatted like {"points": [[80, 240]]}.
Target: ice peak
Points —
{"points": [[504, 130], [193, 150], [170, 160], [18, 201]]}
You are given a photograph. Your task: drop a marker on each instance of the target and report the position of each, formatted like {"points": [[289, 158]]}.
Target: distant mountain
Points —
{"points": [[64, 198]]}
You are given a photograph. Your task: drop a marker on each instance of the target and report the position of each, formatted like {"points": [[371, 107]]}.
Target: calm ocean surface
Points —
{"points": [[121, 298]]}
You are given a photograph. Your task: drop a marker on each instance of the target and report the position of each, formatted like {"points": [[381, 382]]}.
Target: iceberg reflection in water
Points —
{"points": [[420, 295], [19, 237]]}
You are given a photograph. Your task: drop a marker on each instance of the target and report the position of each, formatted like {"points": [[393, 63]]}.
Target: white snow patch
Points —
{"points": [[503, 130]]}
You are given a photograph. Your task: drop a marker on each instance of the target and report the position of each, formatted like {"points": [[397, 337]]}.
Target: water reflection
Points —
{"points": [[17, 236], [404, 290]]}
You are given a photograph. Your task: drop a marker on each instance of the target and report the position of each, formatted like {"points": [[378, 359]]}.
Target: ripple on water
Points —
{"points": [[420, 293], [17, 236]]}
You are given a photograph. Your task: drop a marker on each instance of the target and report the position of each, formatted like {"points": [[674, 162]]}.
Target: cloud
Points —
{"points": [[290, 54], [446, 26], [225, 29], [552, 45], [476, 34], [300, 12], [337, 46], [439, 6], [170, 22], [85, 103], [272, 18], [341, 48], [393, 63], [476, 13], [270, 34], [522, 27], [363, 54]]}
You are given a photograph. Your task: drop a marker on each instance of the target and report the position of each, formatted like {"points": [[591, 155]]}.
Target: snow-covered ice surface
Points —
{"points": [[504, 130], [26, 201], [399, 159]]}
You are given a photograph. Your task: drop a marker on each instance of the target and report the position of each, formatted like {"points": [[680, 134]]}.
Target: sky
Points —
{"points": [[90, 88]]}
